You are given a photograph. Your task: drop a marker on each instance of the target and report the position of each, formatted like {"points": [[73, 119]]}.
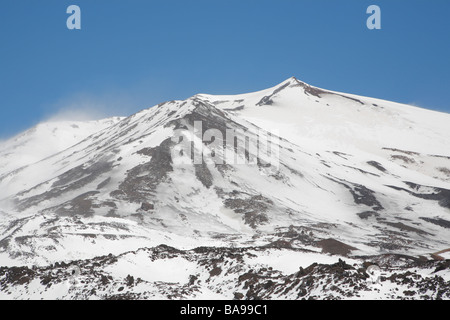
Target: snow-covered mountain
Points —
{"points": [[47, 139], [346, 176]]}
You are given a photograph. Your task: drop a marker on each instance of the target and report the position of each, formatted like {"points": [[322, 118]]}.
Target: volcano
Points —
{"points": [[290, 192]]}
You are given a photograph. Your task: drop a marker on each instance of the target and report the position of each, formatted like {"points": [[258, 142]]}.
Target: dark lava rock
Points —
{"points": [[368, 214], [333, 246], [147, 206]]}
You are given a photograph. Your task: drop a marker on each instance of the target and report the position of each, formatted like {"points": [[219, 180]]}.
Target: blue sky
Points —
{"points": [[133, 54]]}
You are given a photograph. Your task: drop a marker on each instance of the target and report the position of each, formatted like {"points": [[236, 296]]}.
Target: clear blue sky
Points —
{"points": [[132, 54]]}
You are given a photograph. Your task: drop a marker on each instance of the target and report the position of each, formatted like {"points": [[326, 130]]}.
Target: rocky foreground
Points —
{"points": [[228, 273]]}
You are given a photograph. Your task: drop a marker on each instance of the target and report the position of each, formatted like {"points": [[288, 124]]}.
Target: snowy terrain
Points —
{"points": [[351, 182], [47, 139]]}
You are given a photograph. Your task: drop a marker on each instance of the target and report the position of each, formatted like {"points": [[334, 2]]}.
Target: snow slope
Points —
{"points": [[46, 139]]}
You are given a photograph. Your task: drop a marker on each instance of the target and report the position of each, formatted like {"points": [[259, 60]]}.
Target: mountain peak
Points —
{"points": [[294, 80]]}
